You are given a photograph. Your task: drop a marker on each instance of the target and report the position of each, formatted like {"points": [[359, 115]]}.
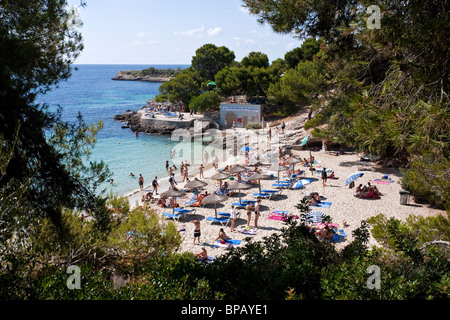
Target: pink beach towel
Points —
{"points": [[382, 181]]}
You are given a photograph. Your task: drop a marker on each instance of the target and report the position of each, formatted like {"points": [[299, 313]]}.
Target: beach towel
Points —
{"points": [[281, 215], [338, 236], [208, 260], [383, 181], [322, 205], [230, 243], [248, 231]]}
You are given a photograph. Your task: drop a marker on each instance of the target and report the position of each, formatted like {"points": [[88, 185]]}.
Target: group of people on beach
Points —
{"points": [[367, 192]]}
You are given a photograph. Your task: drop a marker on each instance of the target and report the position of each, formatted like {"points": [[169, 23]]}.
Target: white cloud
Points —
{"points": [[190, 33], [137, 43], [244, 43], [215, 31], [244, 10], [145, 34], [271, 43], [154, 42]]}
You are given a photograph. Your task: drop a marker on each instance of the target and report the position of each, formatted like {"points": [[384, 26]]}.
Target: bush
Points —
{"points": [[205, 101], [314, 122], [253, 125], [429, 181]]}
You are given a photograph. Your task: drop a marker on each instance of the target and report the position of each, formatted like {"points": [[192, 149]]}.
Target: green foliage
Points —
{"points": [[390, 86], [39, 42], [307, 51], [182, 88], [314, 122], [253, 125], [298, 86], [210, 59], [256, 60], [205, 101], [429, 181], [155, 72]]}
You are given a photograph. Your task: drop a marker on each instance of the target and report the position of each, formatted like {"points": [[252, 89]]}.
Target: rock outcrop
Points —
{"points": [[128, 76]]}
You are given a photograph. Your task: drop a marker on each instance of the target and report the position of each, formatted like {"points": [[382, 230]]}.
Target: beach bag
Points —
{"points": [[351, 185]]}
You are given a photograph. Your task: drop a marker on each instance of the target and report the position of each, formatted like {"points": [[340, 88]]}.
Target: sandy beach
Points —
{"points": [[344, 205]]}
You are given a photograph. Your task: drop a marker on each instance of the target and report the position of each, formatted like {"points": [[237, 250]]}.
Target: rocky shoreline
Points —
{"points": [[137, 122], [128, 76]]}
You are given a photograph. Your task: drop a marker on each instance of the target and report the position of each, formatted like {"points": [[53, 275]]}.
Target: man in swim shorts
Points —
{"points": [[197, 232]]}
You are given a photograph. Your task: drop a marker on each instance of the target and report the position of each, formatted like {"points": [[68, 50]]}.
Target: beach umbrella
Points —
{"points": [[314, 217], [303, 182], [220, 176], [174, 193], [245, 149], [237, 169], [353, 177], [304, 140], [211, 83], [194, 184], [277, 168], [259, 176], [238, 186], [214, 199], [292, 161]]}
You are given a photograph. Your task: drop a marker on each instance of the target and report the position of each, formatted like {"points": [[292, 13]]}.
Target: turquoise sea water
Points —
{"points": [[91, 91]]}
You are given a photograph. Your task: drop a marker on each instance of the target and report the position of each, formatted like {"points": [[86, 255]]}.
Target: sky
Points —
{"points": [[170, 31]]}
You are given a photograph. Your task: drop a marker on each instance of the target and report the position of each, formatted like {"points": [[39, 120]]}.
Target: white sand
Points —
{"points": [[345, 207]]}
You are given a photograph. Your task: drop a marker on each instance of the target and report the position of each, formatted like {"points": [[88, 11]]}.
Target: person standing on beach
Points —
{"points": [[155, 185], [283, 125], [324, 177], [232, 217], [172, 181], [186, 173], [200, 171], [167, 165], [197, 232], [141, 182], [248, 208], [257, 212]]}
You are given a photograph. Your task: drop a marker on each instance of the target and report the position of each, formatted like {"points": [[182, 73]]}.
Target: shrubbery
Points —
{"points": [[253, 125]]}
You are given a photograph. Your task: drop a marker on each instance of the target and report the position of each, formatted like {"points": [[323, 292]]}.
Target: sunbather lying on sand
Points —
{"points": [[313, 198]]}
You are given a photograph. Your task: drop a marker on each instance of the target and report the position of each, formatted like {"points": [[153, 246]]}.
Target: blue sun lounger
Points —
{"points": [[263, 195], [243, 203], [222, 220], [282, 184], [175, 216]]}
